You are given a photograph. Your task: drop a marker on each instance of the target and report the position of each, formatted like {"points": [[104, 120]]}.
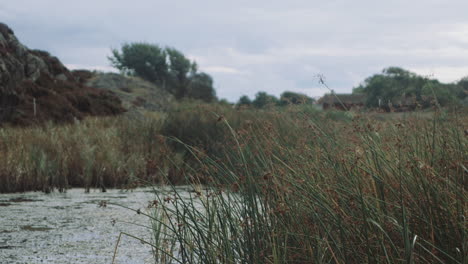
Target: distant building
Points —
{"points": [[401, 104], [342, 101]]}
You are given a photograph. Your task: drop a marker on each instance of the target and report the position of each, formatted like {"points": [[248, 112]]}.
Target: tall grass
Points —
{"points": [[287, 185], [295, 187], [96, 153]]}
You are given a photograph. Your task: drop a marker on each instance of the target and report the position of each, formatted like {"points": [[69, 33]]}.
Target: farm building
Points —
{"points": [[342, 101]]}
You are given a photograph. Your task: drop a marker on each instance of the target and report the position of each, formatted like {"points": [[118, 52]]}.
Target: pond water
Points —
{"points": [[75, 227]]}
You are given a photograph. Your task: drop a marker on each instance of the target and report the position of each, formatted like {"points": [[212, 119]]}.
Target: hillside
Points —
{"points": [[36, 87], [136, 94]]}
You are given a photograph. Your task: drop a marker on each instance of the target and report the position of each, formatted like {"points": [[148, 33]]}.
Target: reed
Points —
{"points": [[294, 186], [96, 153], [285, 185]]}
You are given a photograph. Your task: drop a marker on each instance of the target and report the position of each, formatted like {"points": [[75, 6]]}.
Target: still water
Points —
{"points": [[75, 227]]}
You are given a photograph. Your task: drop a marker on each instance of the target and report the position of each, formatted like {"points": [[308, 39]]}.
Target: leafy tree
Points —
{"points": [[262, 100], [145, 60], [389, 86], [462, 93], [358, 90], [437, 93], [224, 102], [179, 68], [396, 85], [244, 101], [287, 98], [164, 66], [464, 82], [201, 87]]}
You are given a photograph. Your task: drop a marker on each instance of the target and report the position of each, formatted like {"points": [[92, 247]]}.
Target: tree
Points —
{"points": [[224, 102], [393, 85], [244, 101], [179, 68], [167, 67], [442, 94], [359, 89], [401, 87], [145, 60], [462, 93], [287, 98], [262, 100], [201, 87]]}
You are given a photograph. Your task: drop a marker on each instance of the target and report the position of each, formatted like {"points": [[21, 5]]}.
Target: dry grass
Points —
{"points": [[95, 153]]}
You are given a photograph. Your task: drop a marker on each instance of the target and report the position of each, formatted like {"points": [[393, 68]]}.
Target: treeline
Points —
{"points": [[174, 72], [170, 69], [394, 87], [167, 67], [263, 99], [398, 87]]}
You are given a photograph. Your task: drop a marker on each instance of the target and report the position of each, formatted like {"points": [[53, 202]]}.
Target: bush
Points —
{"points": [[262, 100], [288, 98]]}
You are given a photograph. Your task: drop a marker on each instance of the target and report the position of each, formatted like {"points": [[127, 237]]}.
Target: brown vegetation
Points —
{"points": [[36, 87]]}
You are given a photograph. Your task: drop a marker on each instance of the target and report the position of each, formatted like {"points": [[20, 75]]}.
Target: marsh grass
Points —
{"points": [[95, 153], [296, 187], [286, 185]]}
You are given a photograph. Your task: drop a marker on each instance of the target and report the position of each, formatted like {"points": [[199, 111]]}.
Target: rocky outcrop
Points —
{"points": [[137, 95], [35, 87]]}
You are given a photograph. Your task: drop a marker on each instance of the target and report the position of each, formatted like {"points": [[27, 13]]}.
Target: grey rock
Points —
{"points": [[2, 40], [61, 77], [17, 63], [34, 66], [27, 74]]}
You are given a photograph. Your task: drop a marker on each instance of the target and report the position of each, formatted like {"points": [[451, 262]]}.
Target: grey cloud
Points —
{"points": [[275, 45]]}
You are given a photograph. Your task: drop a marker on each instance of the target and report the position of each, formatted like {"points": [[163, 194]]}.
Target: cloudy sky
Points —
{"points": [[258, 45]]}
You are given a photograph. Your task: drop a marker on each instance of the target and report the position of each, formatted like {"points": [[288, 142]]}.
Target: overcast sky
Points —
{"points": [[258, 45]]}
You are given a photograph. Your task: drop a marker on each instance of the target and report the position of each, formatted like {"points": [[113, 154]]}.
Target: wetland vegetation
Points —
{"points": [[289, 184]]}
